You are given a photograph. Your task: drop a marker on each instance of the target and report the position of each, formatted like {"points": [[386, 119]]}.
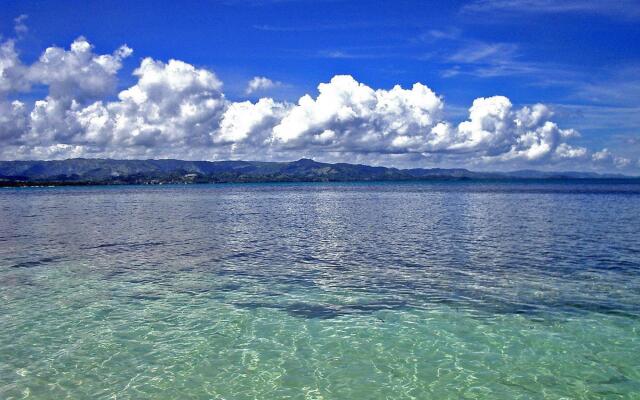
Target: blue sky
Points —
{"points": [[580, 58]]}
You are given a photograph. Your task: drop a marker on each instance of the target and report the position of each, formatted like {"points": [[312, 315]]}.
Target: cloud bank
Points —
{"points": [[180, 111]]}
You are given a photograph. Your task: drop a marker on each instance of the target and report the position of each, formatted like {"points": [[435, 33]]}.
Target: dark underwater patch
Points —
{"points": [[327, 311], [35, 263]]}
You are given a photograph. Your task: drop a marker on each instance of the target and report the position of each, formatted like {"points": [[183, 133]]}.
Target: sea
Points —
{"points": [[411, 290]]}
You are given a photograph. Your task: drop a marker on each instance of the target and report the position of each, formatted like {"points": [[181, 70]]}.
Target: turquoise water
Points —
{"points": [[321, 291]]}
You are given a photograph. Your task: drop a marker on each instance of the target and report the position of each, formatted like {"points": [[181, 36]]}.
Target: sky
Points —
{"points": [[481, 84]]}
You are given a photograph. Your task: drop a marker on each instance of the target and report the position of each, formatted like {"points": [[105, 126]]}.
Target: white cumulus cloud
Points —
{"points": [[499, 132], [78, 73], [605, 158], [350, 116], [246, 120], [260, 83], [12, 71]]}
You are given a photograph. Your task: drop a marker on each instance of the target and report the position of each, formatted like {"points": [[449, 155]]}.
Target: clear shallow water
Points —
{"points": [[334, 291]]}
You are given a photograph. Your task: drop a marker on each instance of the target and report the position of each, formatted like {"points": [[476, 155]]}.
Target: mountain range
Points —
{"points": [[82, 171]]}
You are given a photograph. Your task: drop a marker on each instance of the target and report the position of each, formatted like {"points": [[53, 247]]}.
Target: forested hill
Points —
{"points": [[106, 171]]}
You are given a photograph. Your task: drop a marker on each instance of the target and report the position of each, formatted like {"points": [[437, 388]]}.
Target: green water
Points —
{"points": [[83, 341]]}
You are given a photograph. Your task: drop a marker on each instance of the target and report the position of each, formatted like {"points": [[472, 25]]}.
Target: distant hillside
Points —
{"points": [[82, 171]]}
